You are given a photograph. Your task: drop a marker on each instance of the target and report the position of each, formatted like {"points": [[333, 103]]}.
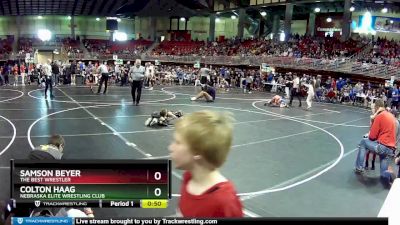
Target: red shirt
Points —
{"points": [[15, 69], [383, 129], [22, 69], [218, 201]]}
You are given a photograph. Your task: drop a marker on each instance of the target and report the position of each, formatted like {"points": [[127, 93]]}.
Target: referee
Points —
{"points": [[136, 76], [204, 74], [104, 77]]}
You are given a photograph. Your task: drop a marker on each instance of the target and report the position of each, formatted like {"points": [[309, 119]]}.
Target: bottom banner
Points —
{"points": [[170, 220]]}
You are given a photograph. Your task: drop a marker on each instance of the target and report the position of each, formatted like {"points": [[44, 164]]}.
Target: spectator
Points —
{"points": [[381, 140], [205, 191]]}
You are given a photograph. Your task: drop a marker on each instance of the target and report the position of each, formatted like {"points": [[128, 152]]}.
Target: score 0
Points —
{"points": [[157, 176]]}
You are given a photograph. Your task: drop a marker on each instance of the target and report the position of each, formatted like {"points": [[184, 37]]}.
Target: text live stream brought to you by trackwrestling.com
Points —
{"points": [[171, 220]]}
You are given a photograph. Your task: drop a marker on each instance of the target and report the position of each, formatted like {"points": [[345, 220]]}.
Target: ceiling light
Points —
{"points": [[183, 19], [120, 36], [69, 17], [328, 19], [119, 20], [263, 13], [317, 10], [352, 9], [384, 10], [44, 34], [97, 19], [391, 21]]}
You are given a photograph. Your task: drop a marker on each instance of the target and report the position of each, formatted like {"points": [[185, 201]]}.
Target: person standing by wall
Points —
{"points": [[295, 90], [104, 77], [55, 69], [310, 94], [318, 88], [15, 72], [204, 74], [74, 70], [136, 76], [1, 76], [48, 79], [22, 70], [395, 97]]}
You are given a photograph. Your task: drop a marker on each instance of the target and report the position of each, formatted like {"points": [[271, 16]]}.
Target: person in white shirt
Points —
{"points": [[310, 94], [295, 90], [204, 74], [103, 69], [48, 81], [117, 71], [150, 75], [136, 76]]}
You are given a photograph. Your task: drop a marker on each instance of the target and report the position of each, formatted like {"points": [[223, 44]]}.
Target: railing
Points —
{"points": [[109, 56], [344, 65], [4, 56], [337, 65]]}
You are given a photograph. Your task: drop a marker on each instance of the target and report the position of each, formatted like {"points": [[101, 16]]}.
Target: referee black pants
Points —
{"points": [[104, 78], [295, 92], [49, 86], [136, 87]]}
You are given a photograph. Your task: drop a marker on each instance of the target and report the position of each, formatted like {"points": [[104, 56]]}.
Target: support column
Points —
{"points": [[346, 22], [73, 28], [242, 17], [211, 32], [288, 20], [134, 28], [275, 25], [111, 35], [17, 35], [311, 25], [153, 28], [261, 26]]}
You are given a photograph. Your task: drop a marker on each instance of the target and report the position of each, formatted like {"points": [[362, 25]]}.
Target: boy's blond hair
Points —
{"points": [[208, 134]]}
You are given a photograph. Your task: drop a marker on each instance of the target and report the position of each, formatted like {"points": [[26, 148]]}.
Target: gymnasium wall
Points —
{"points": [[199, 27], [60, 26], [299, 27]]}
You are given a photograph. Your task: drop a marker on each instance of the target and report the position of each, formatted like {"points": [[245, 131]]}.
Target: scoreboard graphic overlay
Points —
{"points": [[96, 183]]}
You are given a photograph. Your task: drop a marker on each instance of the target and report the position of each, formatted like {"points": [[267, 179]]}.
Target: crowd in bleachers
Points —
{"points": [[25, 45], [72, 48], [5, 47], [297, 46], [106, 48], [383, 51]]}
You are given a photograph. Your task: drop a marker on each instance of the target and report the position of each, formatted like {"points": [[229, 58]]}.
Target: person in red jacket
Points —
{"points": [[15, 72], [381, 140], [202, 141], [22, 69]]}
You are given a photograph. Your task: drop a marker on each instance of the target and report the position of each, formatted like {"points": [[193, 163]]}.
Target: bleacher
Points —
{"points": [[178, 48], [5, 47], [106, 48]]}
